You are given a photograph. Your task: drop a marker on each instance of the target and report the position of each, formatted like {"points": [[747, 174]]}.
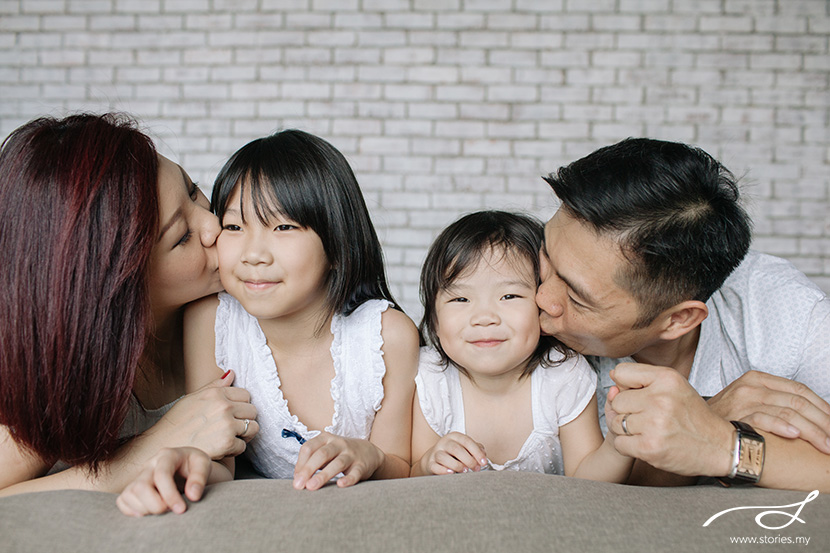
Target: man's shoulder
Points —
{"points": [[763, 274]]}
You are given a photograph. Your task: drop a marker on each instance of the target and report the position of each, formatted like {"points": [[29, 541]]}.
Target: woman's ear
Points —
{"points": [[683, 318]]}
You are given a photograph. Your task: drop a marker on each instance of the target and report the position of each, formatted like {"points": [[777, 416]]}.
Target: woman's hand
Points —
{"points": [[154, 491], [217, 419], [330, 455], [454, 452]]}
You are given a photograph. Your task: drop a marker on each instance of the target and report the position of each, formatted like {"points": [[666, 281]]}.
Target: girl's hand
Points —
{"points": [[330, 455], [455, 452], [154, 491], [211, 419]]}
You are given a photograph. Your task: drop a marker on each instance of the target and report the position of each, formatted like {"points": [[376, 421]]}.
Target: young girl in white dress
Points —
{"points": [[491, 393], [307, 324]]}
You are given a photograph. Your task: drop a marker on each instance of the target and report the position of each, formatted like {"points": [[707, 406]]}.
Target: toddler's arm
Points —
{"points": [[586, 454], [386, 454]]}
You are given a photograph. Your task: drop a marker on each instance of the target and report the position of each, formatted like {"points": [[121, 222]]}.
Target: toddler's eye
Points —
{"points": [[458, 300], [510, 296], [231, 228], [285, 227]]}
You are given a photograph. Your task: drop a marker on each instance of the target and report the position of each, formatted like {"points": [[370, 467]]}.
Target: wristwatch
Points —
{"points": [[747, 454]]}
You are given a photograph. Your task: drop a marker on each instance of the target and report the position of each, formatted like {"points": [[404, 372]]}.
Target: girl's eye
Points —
{"points": [[231, 228], [458, 300], [184, 239], [284, 227], [510, 296]]}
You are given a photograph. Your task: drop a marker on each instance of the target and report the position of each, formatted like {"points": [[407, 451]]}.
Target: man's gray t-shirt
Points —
{"points": [[767, 317]]}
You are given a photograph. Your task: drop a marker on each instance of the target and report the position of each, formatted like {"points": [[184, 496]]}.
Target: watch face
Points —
{"points": [[752, 457]]}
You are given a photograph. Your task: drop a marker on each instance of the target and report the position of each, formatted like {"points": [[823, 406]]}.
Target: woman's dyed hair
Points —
{"points": [[78, 221], [301, 176], [460, 247]]}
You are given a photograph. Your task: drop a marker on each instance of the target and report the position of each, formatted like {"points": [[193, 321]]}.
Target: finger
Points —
{"points": [[338, 464], [616, 425], [467, 448], [223, 381], [124, 503], [240, 395], [612, 393], [329, 460], [790, 424], [634, 400], [635, 375], [149, 499], [351, 476], [163, 478], [249, 431], [444, 463], [801, 405], [793, 387], [303, 470], [196, 472]]}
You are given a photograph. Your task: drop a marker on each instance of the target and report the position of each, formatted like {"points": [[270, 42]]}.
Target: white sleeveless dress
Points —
{"points": [[357, 386], [558, 395]]}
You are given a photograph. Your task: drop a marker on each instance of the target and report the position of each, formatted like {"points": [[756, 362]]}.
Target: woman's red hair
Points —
{"points": [[78, 219]]}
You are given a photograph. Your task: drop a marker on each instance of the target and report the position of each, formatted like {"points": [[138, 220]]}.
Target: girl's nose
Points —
{"points": [[255, 253], [484, 316]]}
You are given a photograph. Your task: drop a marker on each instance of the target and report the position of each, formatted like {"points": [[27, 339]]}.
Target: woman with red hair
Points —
{"points": [[103, 241]]}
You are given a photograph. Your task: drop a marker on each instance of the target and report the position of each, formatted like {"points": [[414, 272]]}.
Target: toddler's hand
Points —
{"points": [[455, 452], [154, 490], [330, 455]]}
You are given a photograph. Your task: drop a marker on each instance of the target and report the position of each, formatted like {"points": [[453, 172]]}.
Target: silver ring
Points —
{"points": [[624, 424], [247, 422]]}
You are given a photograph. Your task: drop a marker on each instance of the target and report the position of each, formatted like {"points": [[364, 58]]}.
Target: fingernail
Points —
{"points": [[792, 431], [227, 372], [483, 462], [827, 444], [178, 508]]}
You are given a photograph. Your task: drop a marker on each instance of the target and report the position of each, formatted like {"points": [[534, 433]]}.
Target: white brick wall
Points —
{"points": [[448, 106]]}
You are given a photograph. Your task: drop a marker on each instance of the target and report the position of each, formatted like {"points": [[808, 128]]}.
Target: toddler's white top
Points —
{"points": [[357, 386], [558, 395]]}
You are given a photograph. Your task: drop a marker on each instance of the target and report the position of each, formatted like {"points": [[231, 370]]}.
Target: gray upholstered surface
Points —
{"points": [[498, 512]]}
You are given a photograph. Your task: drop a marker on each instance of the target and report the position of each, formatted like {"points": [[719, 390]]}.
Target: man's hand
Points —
{"points": [[776, 405], [670, 426]]}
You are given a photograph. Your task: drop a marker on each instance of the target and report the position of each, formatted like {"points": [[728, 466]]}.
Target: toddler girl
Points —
{"points": [[492, 393]]}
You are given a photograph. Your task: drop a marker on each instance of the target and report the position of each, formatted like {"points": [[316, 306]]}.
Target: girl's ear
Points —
{"points": [[683, 318]]}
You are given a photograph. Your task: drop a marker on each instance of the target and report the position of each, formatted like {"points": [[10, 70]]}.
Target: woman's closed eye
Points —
{"points": [[184, 239]]}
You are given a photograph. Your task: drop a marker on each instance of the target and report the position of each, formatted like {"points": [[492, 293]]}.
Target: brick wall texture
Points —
{"points": [[448, 106]]}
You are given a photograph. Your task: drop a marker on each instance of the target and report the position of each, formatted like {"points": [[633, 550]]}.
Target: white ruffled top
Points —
{"points": [[357, 386], [558, 395]]}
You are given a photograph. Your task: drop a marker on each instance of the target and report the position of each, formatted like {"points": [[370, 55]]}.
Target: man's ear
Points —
{"points": [[683, 318]]}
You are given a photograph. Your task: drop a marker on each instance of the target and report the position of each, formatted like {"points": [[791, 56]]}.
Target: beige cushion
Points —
{"points": [[499, 512]]}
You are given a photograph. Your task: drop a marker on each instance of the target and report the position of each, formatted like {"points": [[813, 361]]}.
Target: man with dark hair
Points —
{"points": [[646, 269]]}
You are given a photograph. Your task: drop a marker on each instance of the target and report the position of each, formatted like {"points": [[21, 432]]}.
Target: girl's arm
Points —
{"points": [[386, 454], [433, 454], [586, 454]]}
